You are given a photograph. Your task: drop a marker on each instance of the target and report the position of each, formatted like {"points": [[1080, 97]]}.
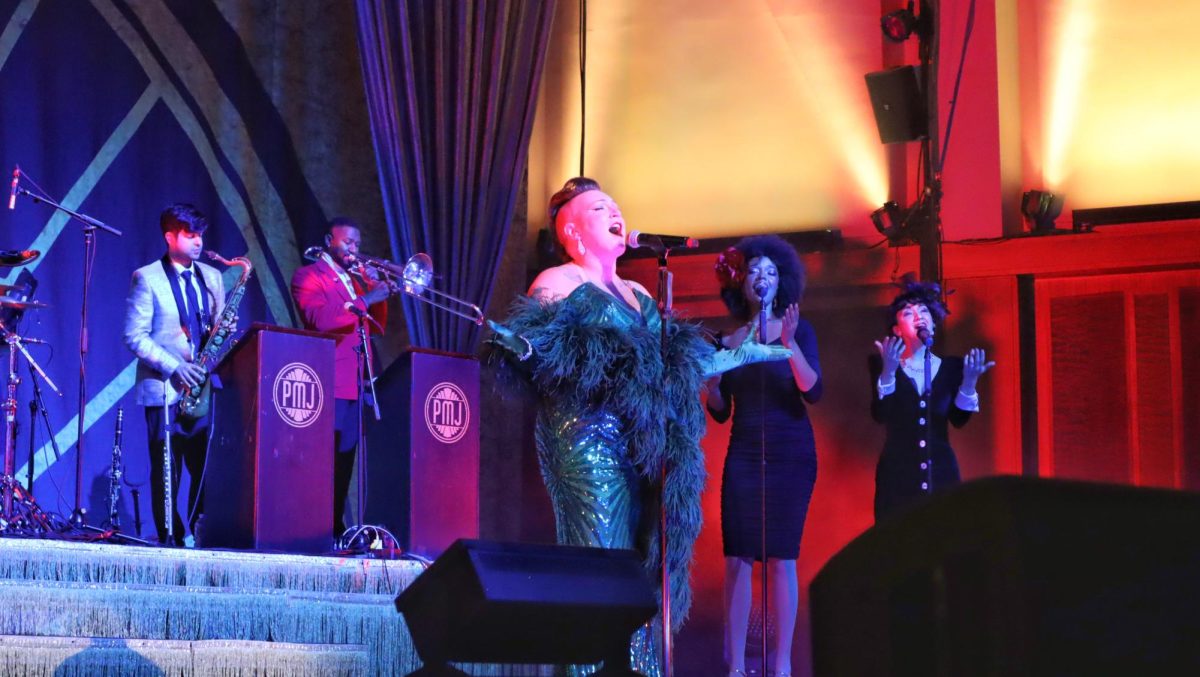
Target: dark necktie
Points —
{"points": [[193, 311]]}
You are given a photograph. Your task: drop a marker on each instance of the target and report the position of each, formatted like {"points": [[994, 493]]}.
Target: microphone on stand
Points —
{"points": [[12, 194], [926, 336], [636, 239], [363, 315], [760, 288]]}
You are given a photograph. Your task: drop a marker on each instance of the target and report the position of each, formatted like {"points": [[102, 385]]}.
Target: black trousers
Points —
{"points": [[189, 444], [345, 445]]}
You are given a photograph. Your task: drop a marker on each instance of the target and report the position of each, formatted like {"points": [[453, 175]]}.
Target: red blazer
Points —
{"points": [[322, 298]]}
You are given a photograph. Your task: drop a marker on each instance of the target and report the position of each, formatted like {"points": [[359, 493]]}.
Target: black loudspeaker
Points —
{"points": [[1017, 576], [898, 104], [486, 602]]}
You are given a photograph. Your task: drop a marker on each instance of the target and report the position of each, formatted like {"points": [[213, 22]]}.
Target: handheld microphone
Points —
{"points": [[926, 336], [760, 289], [637, 239], [12, 194]]}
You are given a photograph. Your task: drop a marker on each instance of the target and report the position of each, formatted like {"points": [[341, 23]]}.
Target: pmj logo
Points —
{"points": [[298, 395], [447, 412]]}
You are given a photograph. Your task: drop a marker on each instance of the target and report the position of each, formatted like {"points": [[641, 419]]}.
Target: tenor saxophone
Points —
{"points": [[196, 401]]}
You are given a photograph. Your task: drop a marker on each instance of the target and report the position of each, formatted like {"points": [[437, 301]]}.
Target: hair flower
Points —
{"points": [[730, 268]]}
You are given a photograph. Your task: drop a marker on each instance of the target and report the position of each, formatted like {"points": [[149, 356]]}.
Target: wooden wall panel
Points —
{"points": [[1155, 456], [1189, 388], [1088, 399]]}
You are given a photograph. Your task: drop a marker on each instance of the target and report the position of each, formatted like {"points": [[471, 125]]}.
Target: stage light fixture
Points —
{"points": [[1041, 208], [895, 229], [899, 25]]}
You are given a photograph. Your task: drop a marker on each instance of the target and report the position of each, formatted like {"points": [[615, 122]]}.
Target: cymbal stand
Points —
{"points": [[33, 519]]}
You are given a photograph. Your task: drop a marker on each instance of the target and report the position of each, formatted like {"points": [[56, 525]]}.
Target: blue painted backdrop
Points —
{"points": [[253, 111]]}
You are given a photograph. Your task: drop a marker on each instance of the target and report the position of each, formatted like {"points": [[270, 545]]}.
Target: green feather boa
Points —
{"points": [[583, 358]]}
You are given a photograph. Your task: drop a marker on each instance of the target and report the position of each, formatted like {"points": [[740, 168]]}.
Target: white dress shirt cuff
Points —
{"points": [[967, 402], [885, 389]]}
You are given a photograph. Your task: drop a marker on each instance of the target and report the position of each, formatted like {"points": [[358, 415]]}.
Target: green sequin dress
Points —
{"points": [[604, 392]]}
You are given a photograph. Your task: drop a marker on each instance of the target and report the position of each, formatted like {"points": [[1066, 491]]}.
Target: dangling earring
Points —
{"points": [[579, 245]]}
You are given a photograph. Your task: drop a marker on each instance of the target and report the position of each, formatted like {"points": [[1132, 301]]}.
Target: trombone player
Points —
{"points": [[333, 294]]}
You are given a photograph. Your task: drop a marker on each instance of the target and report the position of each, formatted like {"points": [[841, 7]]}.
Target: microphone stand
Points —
{"points": [[38, 405], [927, 377], [350, 539], [90, 226], [665, 301], [763, 316]]}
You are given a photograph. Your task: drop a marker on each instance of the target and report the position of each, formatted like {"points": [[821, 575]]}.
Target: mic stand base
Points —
{"points": [[25, 518], [366, 539], [369, 540]]}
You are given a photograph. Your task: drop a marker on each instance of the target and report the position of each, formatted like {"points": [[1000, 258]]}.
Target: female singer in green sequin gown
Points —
{"points": [[589, 342]]}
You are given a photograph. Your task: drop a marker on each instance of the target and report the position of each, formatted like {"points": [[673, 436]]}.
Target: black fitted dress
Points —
{"points": [[899, 478], [765, 396]]}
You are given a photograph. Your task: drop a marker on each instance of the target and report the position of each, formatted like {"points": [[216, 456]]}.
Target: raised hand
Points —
{"points": [[891, 349], [975, 364], [510, 340], [791, 320], [378, 292]]}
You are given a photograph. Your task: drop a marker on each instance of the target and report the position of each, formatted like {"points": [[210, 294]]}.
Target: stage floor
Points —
{"points": [[69, 607]]}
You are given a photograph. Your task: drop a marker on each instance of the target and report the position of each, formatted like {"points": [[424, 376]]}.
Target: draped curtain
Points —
{"points": [[451, 89]]}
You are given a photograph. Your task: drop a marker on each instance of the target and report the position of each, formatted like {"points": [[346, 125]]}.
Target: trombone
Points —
{"points": [[413, 278]]}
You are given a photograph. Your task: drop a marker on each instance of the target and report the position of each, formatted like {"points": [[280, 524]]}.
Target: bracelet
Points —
{"points": [[971, 396], [528, 349]]}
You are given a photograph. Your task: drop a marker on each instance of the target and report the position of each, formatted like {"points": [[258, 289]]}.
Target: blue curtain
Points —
{"points": [[451, 89]]}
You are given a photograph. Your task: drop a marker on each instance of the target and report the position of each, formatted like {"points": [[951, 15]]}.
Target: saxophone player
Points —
{"points": [[170, 307], [332, 294]]}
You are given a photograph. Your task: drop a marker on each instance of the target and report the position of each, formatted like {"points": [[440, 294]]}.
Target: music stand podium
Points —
{"points": [[423, 466], [269, 483]]}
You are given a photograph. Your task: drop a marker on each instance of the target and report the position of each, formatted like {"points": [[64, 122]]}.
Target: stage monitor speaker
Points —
{"points": [[487, 602], [898, 104], [1017, 576]]}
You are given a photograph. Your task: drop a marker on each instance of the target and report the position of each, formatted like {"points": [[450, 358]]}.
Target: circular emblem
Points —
{"points": [[298, 394], [447, 412]]}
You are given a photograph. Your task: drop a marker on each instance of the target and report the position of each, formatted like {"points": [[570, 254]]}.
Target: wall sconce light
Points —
{"points": [[1041, 209]]}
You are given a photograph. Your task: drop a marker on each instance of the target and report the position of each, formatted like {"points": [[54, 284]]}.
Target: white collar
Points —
{"points": [[180, 269], [340, 272]]}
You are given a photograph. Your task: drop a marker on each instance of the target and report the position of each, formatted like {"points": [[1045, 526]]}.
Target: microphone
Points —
{"points": [[637, 239], [760, 288], [362, 315], [12, 194], [926, 336], [17, 257]]}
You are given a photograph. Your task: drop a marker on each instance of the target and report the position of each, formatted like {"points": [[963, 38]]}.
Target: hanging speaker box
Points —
{"points": [[898, 105]]}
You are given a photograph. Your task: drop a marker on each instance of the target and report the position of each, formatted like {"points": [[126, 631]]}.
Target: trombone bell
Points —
{"points": [[418, 273], [416, 276]]}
